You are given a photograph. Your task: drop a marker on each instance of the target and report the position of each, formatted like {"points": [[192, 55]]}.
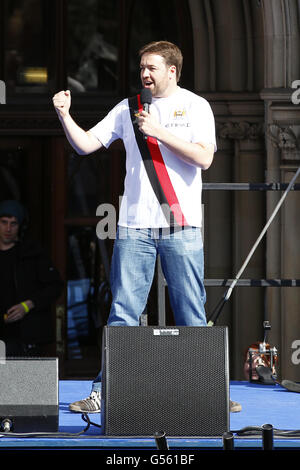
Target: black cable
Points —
{"points": [[50, 434], [246, 431], [86, 418], [256, 430]]}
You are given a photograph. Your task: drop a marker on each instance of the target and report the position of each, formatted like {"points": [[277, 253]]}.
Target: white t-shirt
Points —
{"points": [[184, 114]]}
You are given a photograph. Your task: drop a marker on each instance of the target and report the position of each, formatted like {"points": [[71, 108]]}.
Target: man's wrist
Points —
{"points": [[27, 305]]}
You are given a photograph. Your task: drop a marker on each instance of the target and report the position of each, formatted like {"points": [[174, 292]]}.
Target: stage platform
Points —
{"points": [[261, 404]]}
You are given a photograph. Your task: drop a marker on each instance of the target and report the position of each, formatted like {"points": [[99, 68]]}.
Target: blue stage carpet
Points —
{"points": [[261, 404]]}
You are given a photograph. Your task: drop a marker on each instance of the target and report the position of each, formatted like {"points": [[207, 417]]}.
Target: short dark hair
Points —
{"points": [[169, 51]]}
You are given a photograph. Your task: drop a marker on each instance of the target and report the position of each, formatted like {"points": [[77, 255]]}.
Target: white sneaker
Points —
{"points": [[92, 404], [234, 406]]}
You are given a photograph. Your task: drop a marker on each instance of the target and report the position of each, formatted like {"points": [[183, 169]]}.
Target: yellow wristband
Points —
{"points": [[26, 308]]}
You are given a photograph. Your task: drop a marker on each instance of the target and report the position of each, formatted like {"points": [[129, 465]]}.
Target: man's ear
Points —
{"points": [[172, 69]]}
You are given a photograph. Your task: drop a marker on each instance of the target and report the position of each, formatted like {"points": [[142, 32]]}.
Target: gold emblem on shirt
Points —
{"points": [[179, 114]]}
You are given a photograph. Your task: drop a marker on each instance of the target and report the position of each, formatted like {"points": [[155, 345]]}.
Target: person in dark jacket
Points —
{"points": [[29, 285]]}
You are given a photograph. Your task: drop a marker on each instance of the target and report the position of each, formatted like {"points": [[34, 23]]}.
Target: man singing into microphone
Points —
{"points": [[161, 205]]}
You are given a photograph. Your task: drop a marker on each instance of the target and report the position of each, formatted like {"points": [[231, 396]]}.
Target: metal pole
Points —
{"points": [[160, 439], [267, 436], [228, 441]]}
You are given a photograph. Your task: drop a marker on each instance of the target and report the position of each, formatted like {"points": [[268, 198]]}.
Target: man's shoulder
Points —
{"points": [[192, 96]]}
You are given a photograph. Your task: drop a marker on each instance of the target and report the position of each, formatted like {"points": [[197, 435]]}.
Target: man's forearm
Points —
{"points": [[82, 141], [197, 154]]}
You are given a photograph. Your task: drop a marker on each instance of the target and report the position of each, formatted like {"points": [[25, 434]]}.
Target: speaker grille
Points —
{"points": [[29, 394], [165, 379]]}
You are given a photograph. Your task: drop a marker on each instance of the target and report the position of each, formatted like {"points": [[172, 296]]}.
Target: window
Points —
{"points": [[150, 21], [92, 45], [104, 37], [26, 39], [89, 47]]}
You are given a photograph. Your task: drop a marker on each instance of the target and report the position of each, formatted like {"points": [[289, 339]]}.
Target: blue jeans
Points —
{"points": [[133, 267]]}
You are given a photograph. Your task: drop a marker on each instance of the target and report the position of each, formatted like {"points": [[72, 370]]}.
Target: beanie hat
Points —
{"points": [[11, 208]]}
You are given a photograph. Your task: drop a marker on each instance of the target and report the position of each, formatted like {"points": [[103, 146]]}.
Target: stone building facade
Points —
{"points": [[244, 57]]}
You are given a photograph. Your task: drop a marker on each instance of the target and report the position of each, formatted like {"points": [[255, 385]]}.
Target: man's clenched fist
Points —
{"points": [[62, 102]]}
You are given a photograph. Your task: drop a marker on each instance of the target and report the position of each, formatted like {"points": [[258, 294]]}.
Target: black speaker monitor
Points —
{"points": [[174, 380], [29, 395]]}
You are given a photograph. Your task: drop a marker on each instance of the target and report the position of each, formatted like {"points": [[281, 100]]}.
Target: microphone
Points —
{"points": [[146, 99]]}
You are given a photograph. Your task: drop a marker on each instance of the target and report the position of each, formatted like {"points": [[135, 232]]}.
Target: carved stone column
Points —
{"points": [[282, 251], [248, 215], [233, 220]]}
